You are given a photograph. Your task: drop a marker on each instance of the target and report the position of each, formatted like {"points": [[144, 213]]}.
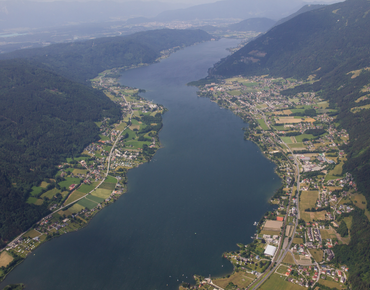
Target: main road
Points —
{"points": [[279, 257]]}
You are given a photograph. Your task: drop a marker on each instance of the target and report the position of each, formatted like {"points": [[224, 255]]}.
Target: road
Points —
{"points": [[279, 256], [106, 174]]}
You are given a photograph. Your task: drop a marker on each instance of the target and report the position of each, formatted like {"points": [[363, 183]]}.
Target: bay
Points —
{"points": [[196, 199]]}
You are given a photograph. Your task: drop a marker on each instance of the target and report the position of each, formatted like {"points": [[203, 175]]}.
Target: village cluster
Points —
{"points": [[298, 132], [86, 184]]}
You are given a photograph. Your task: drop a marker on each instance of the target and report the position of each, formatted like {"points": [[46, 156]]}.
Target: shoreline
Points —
{"points": [[271, 118], [111, 169]]}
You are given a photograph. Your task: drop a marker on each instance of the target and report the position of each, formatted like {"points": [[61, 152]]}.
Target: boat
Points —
{"points": [[255, 223]]}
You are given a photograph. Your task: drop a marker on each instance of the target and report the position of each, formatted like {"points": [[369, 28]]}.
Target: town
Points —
{"points": [[292, 246]]}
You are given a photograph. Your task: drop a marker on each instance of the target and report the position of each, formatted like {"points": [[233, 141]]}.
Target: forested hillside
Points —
{"points": [[84, 60], [329, 46], [44, 118]]}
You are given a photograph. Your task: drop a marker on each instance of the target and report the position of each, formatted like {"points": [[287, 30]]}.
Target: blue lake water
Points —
{"points": [[196, 199]]}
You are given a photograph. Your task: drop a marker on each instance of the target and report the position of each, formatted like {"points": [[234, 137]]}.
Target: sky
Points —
{"points": [[192, 2]]}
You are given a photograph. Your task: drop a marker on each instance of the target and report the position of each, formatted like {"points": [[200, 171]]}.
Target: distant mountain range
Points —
{"points": [[237, 9], [84, 60], [33, 14]]}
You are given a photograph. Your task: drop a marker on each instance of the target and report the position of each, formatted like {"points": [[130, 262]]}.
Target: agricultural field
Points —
{"points": [[262, 123], [76, 208], [79, 171], [298, 241], [36, 190], [307, 201], [241, 279], [288, 259], [74, 196], [32, 234], [51, 193], [275, 282], [87, 203], [85, 188], [332, 284], [102, 193], [287, 140], [69, 181], [328, 234], [5, 259], [44, 184], [317, 255], [300, 138]]}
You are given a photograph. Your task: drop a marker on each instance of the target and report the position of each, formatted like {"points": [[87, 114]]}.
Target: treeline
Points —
{"points": [[357, 254], [84, 60]]}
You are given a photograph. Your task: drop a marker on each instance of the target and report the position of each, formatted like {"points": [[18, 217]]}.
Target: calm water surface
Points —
{"points": [[197, 198]]}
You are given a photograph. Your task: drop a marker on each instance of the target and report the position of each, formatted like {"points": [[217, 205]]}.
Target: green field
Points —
{"points": [[235, 93], [238, 278], [31, 200], [297, 145], [76, 208], [79, 171], [282, 269], [137, 144], [95, 198], [111, 179], [103, 138], [338, 169], [36, 190], [87, 203], [69, 181], [332, 284], [50, 194], [108, 185], [44, 184], [74, 196], [86, 188], [262, 123], [317, 255], [287, 140], [304, 136], [308, 200], [102, 193], [275, 282]]}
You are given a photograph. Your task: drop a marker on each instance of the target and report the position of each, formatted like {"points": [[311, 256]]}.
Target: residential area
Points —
{"points": [[292, 247]]}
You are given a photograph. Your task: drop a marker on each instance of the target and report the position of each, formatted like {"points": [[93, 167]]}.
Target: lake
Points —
{"points": [[196, 199]]}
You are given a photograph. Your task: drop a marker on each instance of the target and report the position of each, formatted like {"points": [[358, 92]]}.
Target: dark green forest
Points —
{"points": [[84, 60], [44, 118], [328, 43]]}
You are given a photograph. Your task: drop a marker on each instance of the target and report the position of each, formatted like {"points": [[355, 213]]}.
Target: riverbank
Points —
{"points": [[88, 183], [299, 134]]}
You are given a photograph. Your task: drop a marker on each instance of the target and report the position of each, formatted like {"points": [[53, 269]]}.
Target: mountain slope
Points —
{"points": [[253, 24], [44, 118], [242, 9], [84, 60], [331, 45], [314, 42]]}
